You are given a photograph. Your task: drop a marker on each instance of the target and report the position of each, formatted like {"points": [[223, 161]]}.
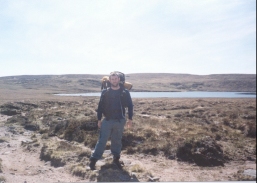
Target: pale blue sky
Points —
{"points": [[133, 36]]}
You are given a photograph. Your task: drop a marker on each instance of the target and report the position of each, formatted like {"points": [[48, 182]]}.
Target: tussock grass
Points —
{"points": [[79, 170], [2, 179], [160, 126], [3, 139], [110, 173], [61, 152], [226, 121], [85, 153], [92, 176], [239, 176], [1, 167], [138, 167]]}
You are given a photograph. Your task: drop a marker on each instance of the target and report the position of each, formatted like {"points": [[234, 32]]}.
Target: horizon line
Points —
{"points": [[128, 74]]}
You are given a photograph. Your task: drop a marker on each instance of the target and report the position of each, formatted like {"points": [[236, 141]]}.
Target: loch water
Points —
{"points": [[196, 94]]}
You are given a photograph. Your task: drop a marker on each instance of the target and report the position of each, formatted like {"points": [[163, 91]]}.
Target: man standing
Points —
{"points": [[112, 104]]}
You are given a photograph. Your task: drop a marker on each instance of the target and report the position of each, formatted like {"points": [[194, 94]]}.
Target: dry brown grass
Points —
{"points": [[160, 126], [1, 167], [110, 173], [79, 170], [2, 179], [3, 139], [61, 153], [137, 168], [227, 121]]}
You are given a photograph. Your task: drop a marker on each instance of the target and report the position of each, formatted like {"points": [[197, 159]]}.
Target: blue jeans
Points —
{"points": [[111, 128]]}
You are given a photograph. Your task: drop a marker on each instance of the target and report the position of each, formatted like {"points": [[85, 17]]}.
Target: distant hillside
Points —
{"points": [[141, 82], [187, 82]]}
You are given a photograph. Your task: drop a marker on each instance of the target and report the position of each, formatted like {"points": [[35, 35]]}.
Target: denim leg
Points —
{"points": [[116, 137], [104, 135]]}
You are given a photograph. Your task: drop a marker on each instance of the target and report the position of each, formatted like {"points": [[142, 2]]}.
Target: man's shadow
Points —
{"points": [[111, 173]]}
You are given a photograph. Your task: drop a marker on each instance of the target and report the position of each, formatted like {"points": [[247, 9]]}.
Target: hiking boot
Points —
{"points": [[92, 164], [117, 162]]}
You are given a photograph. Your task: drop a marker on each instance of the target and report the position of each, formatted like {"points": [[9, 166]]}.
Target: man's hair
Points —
{"points": [[114, 74]]}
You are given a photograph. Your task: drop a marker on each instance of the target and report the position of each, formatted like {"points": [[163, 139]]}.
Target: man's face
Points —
{"points": [[114, 80]]}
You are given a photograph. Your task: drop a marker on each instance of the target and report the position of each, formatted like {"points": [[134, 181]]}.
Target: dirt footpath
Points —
{"points": [[21, 164]]}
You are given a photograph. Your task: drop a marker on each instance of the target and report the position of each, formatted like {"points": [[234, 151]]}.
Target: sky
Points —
{"points": [[202, 37]]}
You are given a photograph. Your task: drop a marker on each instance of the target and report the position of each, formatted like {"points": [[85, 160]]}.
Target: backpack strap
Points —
{"points": [[123, 97]]}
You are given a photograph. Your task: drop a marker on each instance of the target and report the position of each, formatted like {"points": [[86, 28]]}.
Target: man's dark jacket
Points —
{"points": [[105, 105]]}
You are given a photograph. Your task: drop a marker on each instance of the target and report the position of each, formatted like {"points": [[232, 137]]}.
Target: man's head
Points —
{"points": [[114, 79]]}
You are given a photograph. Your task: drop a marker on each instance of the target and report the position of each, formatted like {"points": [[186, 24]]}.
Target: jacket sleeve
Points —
{"points": [[130, 106], [100, 107]]}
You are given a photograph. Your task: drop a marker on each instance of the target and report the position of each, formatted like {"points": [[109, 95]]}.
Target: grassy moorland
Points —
{"points": [[13, 88], [202, 132], [172, 139]]}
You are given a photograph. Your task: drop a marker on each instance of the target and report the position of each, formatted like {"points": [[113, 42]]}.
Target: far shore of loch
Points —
{"points": [[175, 94]]}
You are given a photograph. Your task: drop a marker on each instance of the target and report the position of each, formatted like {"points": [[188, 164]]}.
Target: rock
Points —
{"points": [[133, 174], [127, 162], [100, 163], [107, 151], [96, 171], [145, 116], [26, 142], [4, 153], [153, 179], [250, 172]]}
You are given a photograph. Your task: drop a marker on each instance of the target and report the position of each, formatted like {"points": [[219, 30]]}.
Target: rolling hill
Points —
{"points": [[141, 82]]}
